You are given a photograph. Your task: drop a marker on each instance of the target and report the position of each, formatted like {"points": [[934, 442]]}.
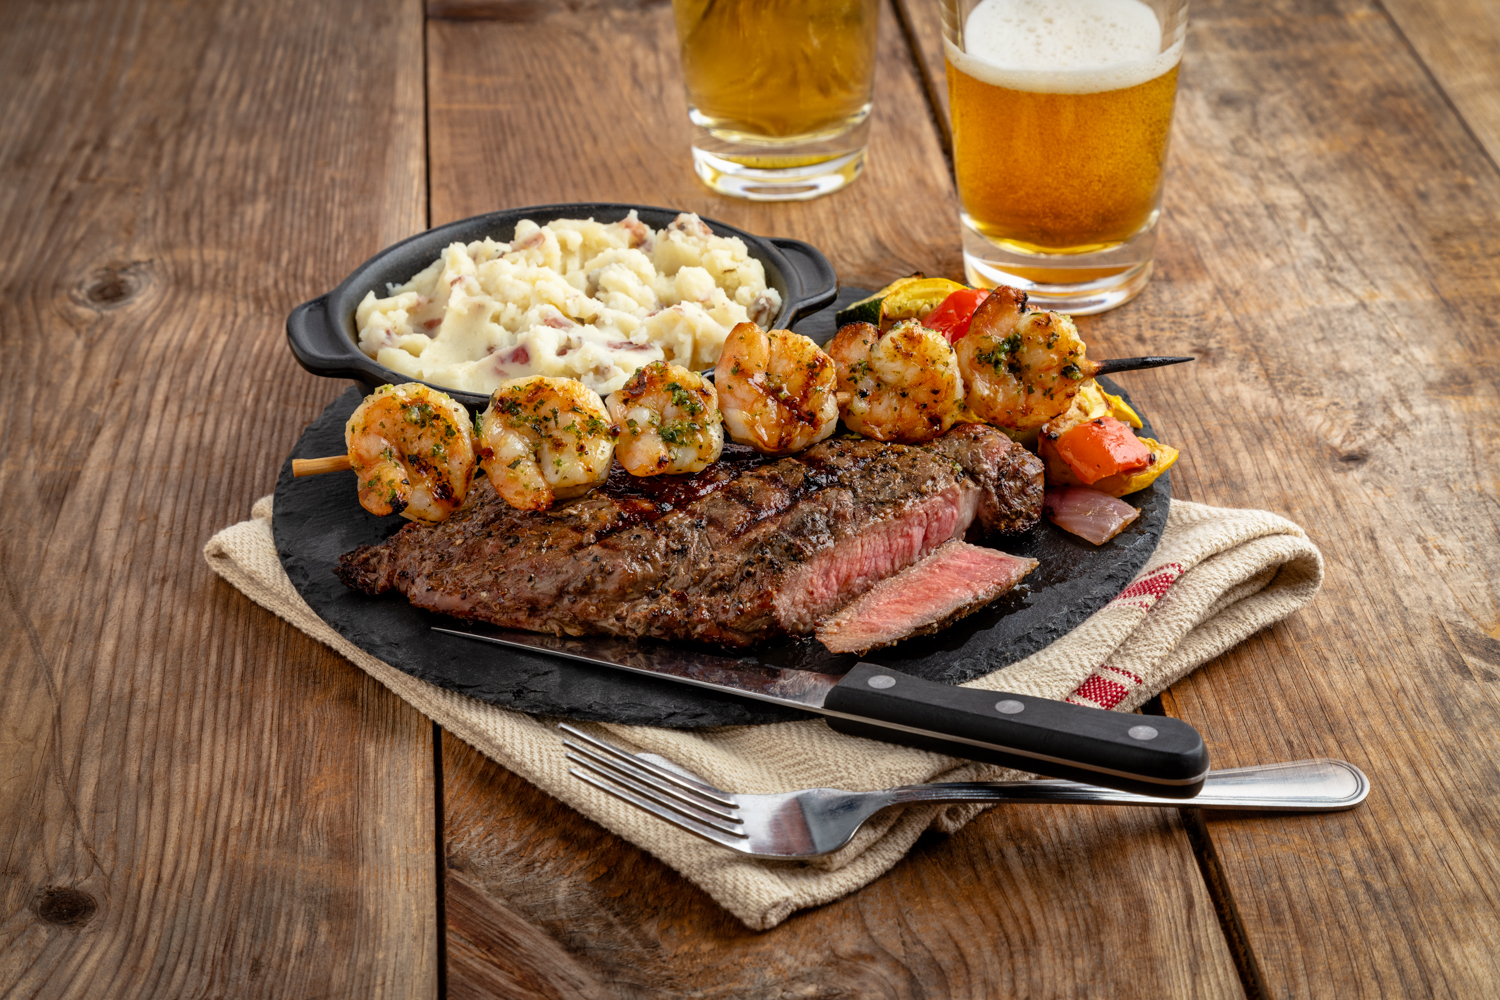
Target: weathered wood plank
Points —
{"points": [[1026, 901], [195, 800], [924, 29], [1459, 43], [1328, 252]]}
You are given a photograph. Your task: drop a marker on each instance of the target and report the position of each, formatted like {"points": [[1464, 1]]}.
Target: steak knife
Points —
{"points": [[1153, 755]]}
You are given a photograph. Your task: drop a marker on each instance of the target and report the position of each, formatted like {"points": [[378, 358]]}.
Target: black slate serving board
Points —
{"points": [[319, 518]]}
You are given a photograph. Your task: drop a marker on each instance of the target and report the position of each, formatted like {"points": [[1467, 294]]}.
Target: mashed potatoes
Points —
{"points": [[573, 298]]}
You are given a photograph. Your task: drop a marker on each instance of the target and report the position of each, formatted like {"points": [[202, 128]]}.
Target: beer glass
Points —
{"points": [[778, 92], [1061, 111]]}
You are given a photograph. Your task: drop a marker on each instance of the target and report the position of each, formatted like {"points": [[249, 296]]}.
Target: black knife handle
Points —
{"points": [[1151, 754]]}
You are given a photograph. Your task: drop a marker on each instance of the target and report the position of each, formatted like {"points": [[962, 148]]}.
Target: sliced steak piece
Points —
{"points": [[1009, 477], [956, 580], [743, 551]]}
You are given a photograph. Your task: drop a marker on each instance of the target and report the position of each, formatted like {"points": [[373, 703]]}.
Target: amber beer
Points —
{"points": [[1060, 132], [768, 70]]}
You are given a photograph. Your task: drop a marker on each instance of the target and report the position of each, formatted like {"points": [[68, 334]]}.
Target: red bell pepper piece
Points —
{"points": [[951, 317], [1100, 448]]}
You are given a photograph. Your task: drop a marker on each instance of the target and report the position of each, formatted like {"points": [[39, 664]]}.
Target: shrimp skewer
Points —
{"points": [[412, 449], [776, 390], [545, 439], [902, 385], [1021, 369], [669, 421]]}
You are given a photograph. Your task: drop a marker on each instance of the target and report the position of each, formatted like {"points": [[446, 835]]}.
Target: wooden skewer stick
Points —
{"points": [[1135, 364], [313, 466]]}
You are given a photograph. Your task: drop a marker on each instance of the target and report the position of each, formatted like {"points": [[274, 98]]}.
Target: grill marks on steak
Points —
{"points": [[770, 549], [956, 580]]}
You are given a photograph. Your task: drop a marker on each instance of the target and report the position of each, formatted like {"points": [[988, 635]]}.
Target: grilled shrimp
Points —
{"points": [[669, 422], [412, 448], [544, 439], [902, 385], [1021, 368], [776, 390]]}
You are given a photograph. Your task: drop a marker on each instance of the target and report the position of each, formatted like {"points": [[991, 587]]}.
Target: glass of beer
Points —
{"points": [[778, 92], [1061, 111]]}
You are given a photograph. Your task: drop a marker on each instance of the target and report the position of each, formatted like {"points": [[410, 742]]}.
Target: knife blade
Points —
{"points": [[1155, 755]]}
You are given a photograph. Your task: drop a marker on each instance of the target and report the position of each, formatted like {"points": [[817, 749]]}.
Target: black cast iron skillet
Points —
{"points": [[325, 342]]}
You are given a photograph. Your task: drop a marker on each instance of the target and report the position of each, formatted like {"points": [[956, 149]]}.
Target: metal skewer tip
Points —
{"points": [[1114, 365]]}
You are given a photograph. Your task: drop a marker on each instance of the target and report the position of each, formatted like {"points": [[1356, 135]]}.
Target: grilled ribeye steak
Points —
{"points": [[748, 549]]}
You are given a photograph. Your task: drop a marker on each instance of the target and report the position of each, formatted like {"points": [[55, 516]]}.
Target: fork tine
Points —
{"points": [[644, 782], [701, 788], [728, 827], [734, 841]]}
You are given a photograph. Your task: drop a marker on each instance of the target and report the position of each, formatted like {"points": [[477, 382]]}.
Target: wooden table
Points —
{"points": [[198, 801]]}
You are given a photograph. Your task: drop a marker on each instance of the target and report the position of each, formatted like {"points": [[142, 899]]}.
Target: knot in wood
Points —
{"points": [[113, 285], [64, 905]]}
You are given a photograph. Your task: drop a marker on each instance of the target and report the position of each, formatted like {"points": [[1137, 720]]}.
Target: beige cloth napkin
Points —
{"points": [[1217, 576]]}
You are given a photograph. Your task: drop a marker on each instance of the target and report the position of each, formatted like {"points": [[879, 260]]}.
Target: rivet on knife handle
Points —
{"points": [[1152, 755]]}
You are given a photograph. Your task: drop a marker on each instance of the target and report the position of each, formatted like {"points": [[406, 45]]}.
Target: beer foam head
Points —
{"points": [[1063, 46]]}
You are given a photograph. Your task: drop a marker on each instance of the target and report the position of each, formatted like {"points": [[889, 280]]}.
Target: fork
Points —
{"points": [[813, 822]]}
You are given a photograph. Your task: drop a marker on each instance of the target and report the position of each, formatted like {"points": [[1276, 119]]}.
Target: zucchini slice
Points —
{"points": [[912, 297], [916, 299], [867, 310]]}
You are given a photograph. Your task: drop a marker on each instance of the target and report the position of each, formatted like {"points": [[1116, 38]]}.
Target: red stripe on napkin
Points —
{"points": [[1145, 592], [1102, 692]]}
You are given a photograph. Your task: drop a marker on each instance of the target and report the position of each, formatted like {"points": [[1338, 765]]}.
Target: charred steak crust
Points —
{"points": [[1009, 476], [770, 549]]}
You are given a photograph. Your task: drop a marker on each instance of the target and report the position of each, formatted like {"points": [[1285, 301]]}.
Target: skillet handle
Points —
{"points": [[1152, 755], [318, 344], [818, 285]]}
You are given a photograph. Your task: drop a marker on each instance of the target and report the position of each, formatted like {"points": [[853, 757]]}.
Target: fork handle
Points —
{"points": [[1317, 785], [1151, 755]]}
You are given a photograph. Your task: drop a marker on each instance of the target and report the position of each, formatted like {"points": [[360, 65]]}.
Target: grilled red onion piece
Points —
{"points": [[1087, 513]]}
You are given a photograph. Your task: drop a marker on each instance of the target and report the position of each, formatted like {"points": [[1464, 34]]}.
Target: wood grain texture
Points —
{"points": [[1458, 42], [590, 107], [1329, 252], [923, 25], [1026, 901], [524, 10], [195, 799]]}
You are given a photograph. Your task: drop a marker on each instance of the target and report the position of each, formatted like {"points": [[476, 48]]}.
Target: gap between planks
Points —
{"points": [[439, 820], [1437, 83], [440, 859], [1230, 925], [930, 85]]}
